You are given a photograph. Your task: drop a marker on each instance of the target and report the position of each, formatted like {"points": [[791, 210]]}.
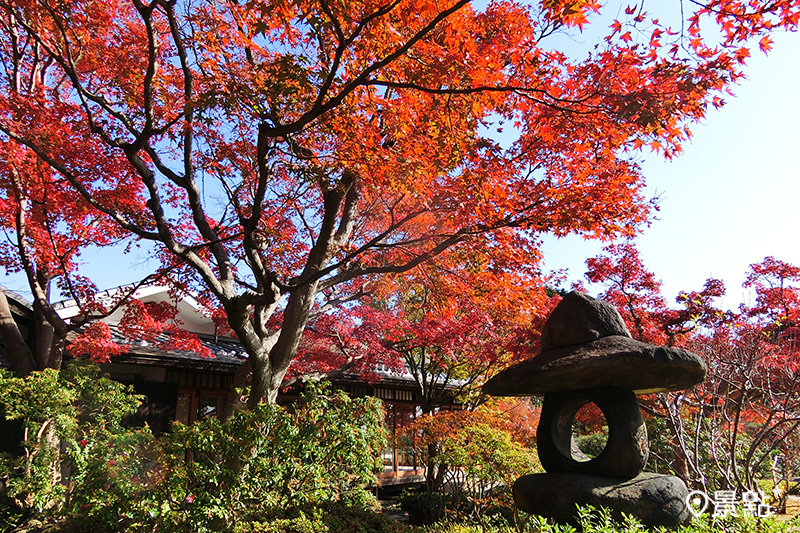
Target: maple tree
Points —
{"points": [[747, 411], [47, 226], [636, 293], [454, 322], [473, 448], [777, 305], [290, 157], [450, 333], [632, 289], [759, 375]]}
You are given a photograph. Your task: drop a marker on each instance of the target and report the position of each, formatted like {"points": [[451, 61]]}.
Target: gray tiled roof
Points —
{"points": [[19, 300], [108, 293], [225, 351]]}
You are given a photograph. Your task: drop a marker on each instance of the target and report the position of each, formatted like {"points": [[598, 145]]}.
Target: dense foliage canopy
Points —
{"points": [[286, 157]]}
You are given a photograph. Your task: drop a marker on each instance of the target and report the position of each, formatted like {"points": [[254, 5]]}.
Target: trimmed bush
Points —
{"points": [[423, 507]]}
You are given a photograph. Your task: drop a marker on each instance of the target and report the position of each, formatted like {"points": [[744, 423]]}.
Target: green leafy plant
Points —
{"points": [[82, 469], [78, 460], [423, 507], [334, 517], [270, 462]]}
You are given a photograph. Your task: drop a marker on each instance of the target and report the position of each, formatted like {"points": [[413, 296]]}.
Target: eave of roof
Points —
{"points": [[225, 352], [16, 299]]}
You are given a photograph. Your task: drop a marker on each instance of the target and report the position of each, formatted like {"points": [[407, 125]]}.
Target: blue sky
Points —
{"points": [[733, 197]]}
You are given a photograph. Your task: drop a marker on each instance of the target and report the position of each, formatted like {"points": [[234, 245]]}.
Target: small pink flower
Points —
{"points": [[111, 463], [83, 443], [190, 499]]}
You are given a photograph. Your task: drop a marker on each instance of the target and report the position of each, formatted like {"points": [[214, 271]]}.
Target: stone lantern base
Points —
{"points": [[655, 499]]}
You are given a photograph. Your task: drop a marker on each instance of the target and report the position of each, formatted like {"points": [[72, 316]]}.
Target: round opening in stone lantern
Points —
{"points": [[589, 357]]}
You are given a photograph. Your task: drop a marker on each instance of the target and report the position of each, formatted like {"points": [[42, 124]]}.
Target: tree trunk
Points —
{"points": [[44, 341], [434, 478], [260, 381], [240, 379], [269, 371]]}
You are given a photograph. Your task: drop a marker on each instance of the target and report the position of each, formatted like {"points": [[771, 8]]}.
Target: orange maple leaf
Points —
{"points": [[765, 44]]}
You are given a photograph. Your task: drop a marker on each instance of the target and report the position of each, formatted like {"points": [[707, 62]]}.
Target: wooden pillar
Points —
{"points": [[414, 440], [394, 438]]}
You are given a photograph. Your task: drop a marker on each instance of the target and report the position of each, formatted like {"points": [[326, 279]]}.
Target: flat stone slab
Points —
{"points": [[657, 500], [613, 361]]}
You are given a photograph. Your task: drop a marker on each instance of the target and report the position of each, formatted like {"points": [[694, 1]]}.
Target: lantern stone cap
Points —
{"points": [[585, 344]]}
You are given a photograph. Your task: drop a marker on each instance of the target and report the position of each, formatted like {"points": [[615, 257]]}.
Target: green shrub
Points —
{"points": [[599, 521], [342, 518], [740, 524], [299, 524], [334, 517], [482, 460], [269, 462], [274, 468], [423, 507], [592, 444], [78, 461], [464, 528]]}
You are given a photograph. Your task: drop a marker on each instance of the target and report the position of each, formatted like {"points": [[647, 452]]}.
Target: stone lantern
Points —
{"points": [[588, 356]]}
